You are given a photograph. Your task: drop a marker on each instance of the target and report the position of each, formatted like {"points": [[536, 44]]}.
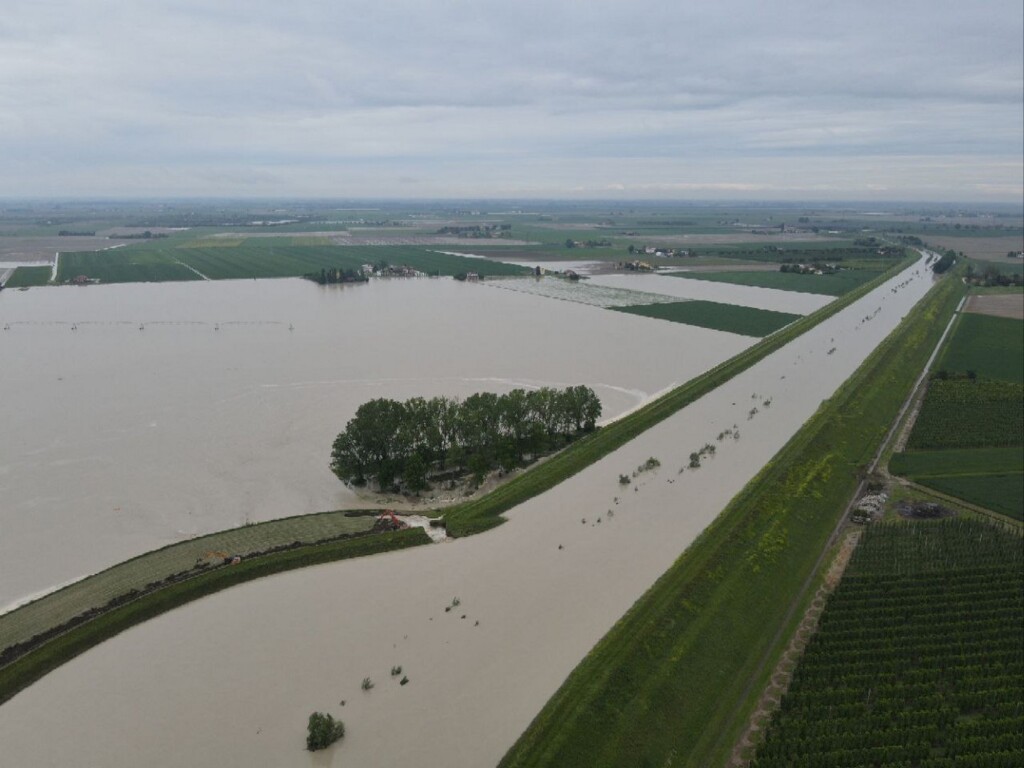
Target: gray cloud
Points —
{"points": [[354, 97]]}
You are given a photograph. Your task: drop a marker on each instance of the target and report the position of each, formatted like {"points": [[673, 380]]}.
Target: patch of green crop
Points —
{"points": [[123, 265], [29, 277], [1003, 493], [969, 413], [829, 285], [992, 347], [969, 461], [746, 321]]}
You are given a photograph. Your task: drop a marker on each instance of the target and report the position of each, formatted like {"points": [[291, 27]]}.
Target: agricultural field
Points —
{"points": [[27, 277], [969, 413], [969, 461], [917, 660], [989, 346], [997, 492], [123, 265], [258, 258], [732, 318], [829, 285]]}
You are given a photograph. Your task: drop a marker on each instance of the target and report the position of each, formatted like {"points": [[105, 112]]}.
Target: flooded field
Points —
{"points": [[231, 679], [139, 415]]}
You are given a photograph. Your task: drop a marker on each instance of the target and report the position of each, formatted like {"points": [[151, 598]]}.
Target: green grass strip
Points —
{"points": [[746, 321], [97, 590], [29, 668], [484, 513], [667, 685]]}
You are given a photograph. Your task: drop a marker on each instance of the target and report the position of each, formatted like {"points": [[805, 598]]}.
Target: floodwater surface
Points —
{"points": [[232, 679], [139, 415]]}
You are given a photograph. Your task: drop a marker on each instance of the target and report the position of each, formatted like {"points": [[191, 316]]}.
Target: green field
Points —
{"points": [[917, 659], [733, 318], [961, 413], [827, 285], [668, 685], [259, 258], [992, 347], [134, 264], [969, 461], [1003, 493], [27, 277]]}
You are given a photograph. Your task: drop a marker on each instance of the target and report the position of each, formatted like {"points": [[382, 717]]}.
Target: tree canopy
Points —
{"points": [[388, 441]]}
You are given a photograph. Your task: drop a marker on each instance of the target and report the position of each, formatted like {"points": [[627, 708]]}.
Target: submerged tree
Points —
{"points": [[323, 730]]}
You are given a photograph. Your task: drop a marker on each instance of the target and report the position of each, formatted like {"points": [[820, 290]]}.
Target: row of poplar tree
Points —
{"points": [[389, 442]]}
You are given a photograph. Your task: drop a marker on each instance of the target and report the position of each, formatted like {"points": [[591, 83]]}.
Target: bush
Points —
{"points": [[324, 730]]}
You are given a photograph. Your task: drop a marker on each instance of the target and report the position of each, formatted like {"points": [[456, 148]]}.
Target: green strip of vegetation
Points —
{"points": [[829, 285], [992, 347], [259, 258], [484, 513], [29, 277], [917, 658], [1003, 493], [732, 318], [29, 668], [179, 558], [968, 461], [668, 683]]}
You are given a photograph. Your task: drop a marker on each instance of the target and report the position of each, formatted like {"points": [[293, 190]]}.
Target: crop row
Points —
{"points": [[906, 666]]}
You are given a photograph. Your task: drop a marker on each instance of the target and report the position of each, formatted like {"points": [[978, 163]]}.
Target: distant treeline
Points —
{"points": [[71, 233], [336, 275], [402, 443]]}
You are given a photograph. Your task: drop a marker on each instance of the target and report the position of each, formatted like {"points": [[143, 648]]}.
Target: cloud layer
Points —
{"points": [[894, 100]]}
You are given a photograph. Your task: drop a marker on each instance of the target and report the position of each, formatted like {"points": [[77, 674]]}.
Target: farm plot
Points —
{"points": [[829, 285], [582, 292], [970, 461], [123, 265], [746, 321], [992, 347], [259, 258], [970, 413], [26, 277], [999, 492], [917, 660]]}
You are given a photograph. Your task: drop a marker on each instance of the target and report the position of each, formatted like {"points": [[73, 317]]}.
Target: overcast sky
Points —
{"points": [[674, 99]]}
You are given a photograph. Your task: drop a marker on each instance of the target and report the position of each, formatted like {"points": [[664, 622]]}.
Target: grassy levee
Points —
{"points": [[174, 560], [481, 514], [668, 683], [29, 668]]}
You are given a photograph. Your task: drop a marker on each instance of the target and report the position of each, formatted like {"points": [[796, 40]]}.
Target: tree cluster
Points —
{"points": [[389, 442], [322, 731], [945, 262], [336, 275]]}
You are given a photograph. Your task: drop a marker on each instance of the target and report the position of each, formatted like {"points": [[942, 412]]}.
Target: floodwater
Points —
{"points": [[231, 679], [135, 416]]}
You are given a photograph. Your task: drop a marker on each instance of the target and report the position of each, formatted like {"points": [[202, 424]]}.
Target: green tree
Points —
{"points": [[323, 730]]}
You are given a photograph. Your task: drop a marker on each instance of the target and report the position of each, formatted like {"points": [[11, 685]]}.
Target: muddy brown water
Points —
{"points": [[139, 415], [231, 679]]}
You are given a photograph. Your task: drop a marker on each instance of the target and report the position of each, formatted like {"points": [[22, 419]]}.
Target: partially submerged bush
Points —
{"points": [[323, 730]]}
